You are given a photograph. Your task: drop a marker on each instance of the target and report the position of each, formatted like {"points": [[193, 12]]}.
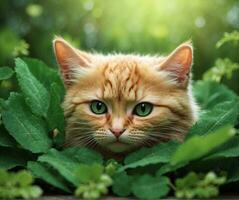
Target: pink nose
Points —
{"points": [[117, 132]]}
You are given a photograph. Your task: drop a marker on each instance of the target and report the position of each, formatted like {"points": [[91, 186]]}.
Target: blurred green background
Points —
{"points": [[145, 26]]}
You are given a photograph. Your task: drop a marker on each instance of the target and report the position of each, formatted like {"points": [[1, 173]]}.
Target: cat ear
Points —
{"points": [[69, 59], [178, 64]]}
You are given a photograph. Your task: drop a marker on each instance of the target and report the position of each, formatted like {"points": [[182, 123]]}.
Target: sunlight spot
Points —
{"points": [[200, 22], [233, 15], [89, 5]]}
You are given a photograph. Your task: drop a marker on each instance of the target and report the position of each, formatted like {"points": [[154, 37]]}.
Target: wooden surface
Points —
{"points": [[118, 198]]}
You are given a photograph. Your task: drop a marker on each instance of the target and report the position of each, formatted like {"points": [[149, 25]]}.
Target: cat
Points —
{"points": [[118, 103]]}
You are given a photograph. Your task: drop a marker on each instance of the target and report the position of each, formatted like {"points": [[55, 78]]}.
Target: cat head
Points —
{"points": [[118, 102]]}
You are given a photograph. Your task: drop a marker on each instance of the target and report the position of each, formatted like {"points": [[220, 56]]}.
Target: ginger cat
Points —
{"points": [[117, 103]]}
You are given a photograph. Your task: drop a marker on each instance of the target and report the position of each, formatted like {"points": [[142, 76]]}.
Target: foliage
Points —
{"points": [[93, 181], [21, 49], [18, 185], [204, 144], [223, 67], [228, 37], [35, 94], [195, 185], [5, 73]]}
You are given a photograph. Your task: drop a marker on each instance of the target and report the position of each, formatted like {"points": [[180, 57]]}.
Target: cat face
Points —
{"points": [[118, 103]]}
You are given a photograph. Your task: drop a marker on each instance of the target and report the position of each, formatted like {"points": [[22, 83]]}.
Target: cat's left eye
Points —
{"points": [[143, 109], [98, 107]]}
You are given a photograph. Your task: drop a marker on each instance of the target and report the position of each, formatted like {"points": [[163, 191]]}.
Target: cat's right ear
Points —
{"points": [[69, 59]]}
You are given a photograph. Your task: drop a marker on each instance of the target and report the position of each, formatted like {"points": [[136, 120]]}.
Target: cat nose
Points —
{"points": [[117, 132]]}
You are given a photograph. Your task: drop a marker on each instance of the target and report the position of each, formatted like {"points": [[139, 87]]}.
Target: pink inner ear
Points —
{"points": [[68, 57], [186, 58], [178, 64], [62, 55]]}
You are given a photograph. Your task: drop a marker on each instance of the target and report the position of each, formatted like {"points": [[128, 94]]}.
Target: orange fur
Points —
{"points": [[121, 82]]}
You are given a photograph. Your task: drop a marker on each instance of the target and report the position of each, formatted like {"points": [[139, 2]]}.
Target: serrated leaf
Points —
{"points": [[148, 187], [219, 116], [35, 93], [147, 156], [66, 162], [49, 175], [28, 130], [45, 75], [209, 94], [5, 73], [122, 184], [83, 155], [199, 146], [12, 157]]}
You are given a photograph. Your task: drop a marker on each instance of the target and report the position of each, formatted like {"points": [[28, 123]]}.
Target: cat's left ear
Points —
{"points": [[178, 64]]}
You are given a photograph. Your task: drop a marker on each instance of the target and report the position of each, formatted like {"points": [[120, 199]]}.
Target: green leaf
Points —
{"points": [[35, 93], [219, 116], [148, 187], [66, 162], [147, 156], [12, 157], [228, 37], [18, 185], [199, 146], [122, 184], [5, 73], [55, 115], [198, 186], [6, 140], [228, 150], [45, 75], [166, 168], [83, 155], [86, 173], [48, 174], [27, 129], [24, 178], [209, 94], [30, 192], [222, 68]]}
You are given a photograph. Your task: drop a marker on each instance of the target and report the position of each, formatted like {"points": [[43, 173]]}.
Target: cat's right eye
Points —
{"points": [[143, 109], [98, 107]]}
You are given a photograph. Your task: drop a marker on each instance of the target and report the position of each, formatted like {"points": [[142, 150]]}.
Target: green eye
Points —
{"points": [[143, 109], [98, 107]]}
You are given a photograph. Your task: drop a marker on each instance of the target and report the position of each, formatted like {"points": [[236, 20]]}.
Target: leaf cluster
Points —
{"points": [[93, 181], [18, 185], [195, 185]]}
